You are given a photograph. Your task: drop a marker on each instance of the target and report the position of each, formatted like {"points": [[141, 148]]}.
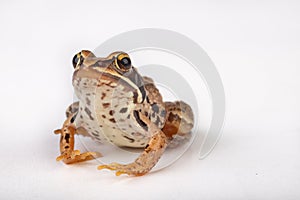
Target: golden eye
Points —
{"points": [[123, 62], [77, 60]]}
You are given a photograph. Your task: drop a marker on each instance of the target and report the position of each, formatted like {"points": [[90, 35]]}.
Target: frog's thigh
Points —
{"points": [[179, 123], [147, 80], [179, 119]]}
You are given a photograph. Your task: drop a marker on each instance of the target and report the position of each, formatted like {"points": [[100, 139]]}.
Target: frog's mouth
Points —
{"points": [[131, 81]]}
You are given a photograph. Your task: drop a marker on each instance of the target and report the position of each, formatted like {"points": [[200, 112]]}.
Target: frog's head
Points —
{"points": [[114, 70]]}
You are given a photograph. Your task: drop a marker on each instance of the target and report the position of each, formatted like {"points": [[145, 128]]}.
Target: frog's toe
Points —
{"points": [[75, 157], [112, 166], [120, 169]]}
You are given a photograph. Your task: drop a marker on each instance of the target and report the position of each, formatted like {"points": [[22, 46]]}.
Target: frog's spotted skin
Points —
{"points": [[118, 105]]}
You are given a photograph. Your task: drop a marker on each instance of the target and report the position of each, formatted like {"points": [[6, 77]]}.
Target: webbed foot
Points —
{"points": [[132, 169]]}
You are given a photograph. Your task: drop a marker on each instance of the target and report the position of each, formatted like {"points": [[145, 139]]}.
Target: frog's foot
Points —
{"points": [[132, 169], [68, 154], [75, 156], [145, 162]]}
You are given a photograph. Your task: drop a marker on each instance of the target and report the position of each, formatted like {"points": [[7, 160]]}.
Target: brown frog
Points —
{"points": [[118, 105]]}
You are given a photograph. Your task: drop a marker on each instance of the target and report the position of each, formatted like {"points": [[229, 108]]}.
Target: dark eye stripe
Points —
{"points": [[138, 81], [143, 91], [138, 119]]}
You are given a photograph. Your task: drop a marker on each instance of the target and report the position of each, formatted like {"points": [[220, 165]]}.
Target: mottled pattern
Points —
{"points": [[118, 105], [110, 118]]}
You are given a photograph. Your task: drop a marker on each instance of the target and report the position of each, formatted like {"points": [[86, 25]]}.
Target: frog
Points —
{"points": [[117, 105]]}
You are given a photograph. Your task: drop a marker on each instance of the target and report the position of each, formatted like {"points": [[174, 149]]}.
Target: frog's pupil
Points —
{"points": [[126, 62], [75, 61]]}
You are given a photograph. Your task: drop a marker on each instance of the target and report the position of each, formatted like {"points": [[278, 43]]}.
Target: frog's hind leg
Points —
{"points": [[68, 154], [179, 122], [150, 156]]}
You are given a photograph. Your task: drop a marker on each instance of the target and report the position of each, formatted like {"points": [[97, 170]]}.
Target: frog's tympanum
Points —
{"points": [[118, 105]]}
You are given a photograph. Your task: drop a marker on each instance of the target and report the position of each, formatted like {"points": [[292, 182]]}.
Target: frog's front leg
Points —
{"points": [[147, 160], [68, 154]]}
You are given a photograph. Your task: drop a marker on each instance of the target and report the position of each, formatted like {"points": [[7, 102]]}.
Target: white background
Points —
{"points": [[255, 46]]}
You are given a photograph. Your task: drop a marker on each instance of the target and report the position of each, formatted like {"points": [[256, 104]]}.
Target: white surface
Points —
{"points": [[255, 47]]}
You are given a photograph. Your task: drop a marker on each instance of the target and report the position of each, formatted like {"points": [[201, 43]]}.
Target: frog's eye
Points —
{"points": [[123, 62], [77, 60]]}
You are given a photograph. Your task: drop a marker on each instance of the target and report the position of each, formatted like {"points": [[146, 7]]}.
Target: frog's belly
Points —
{"points": [[101, 132], [120, 138]]}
